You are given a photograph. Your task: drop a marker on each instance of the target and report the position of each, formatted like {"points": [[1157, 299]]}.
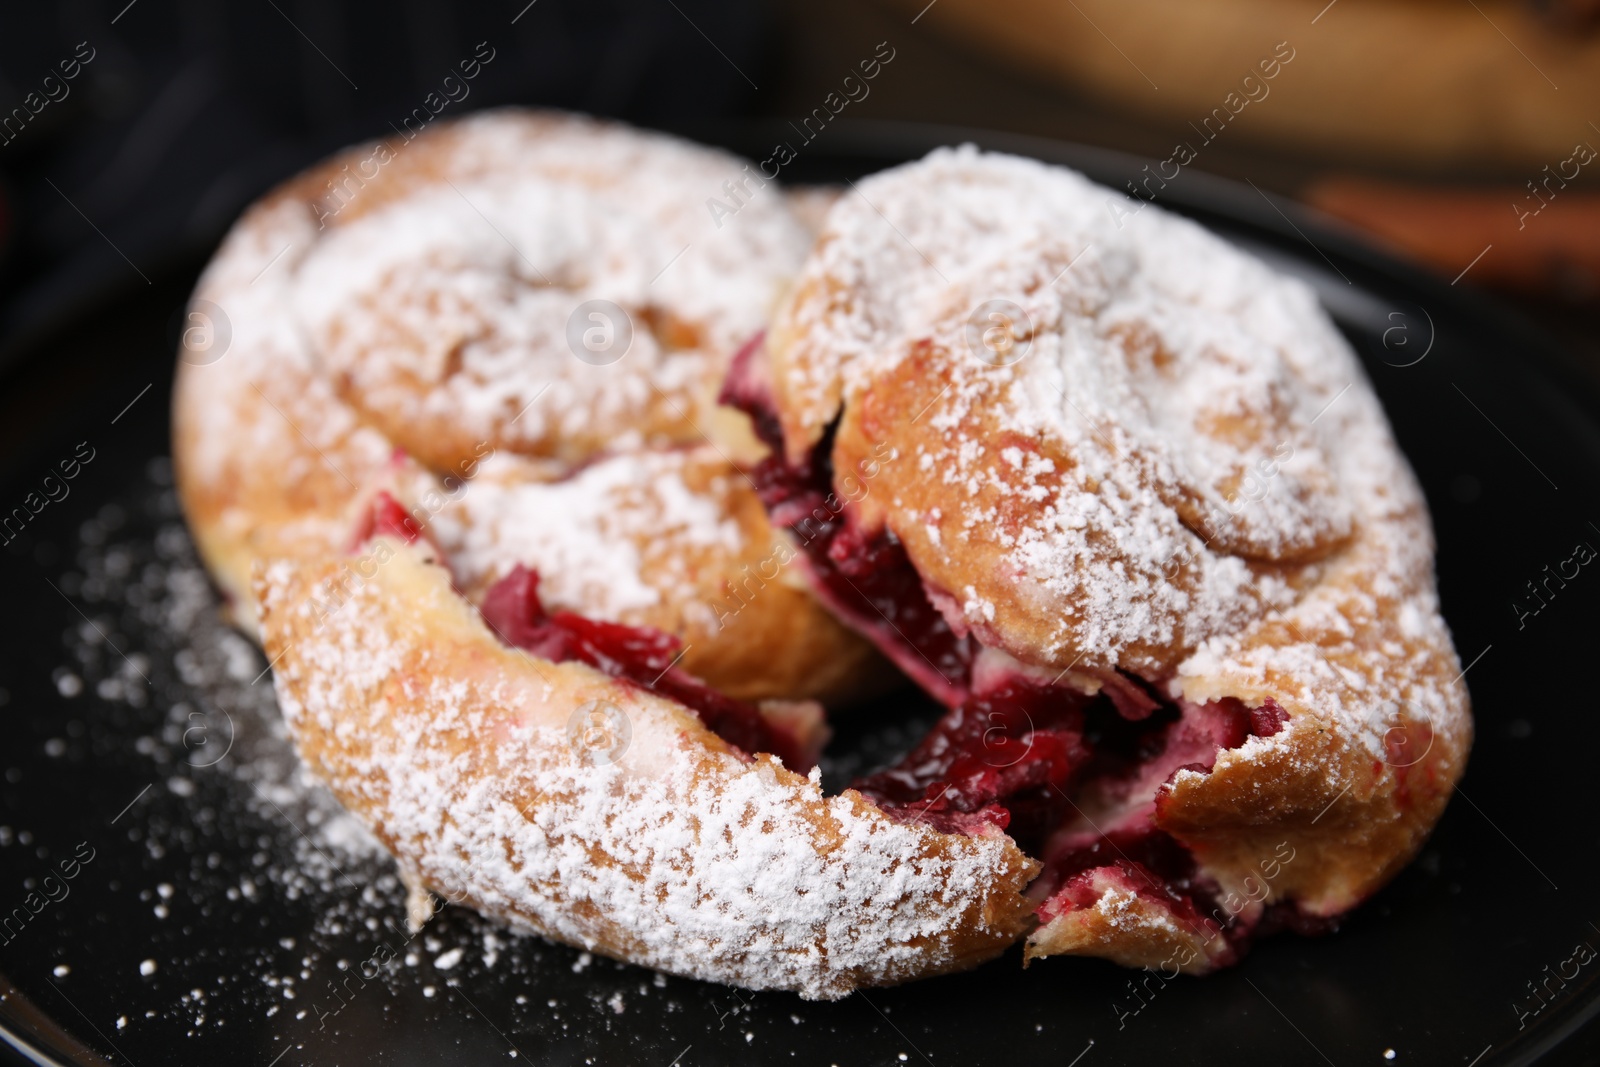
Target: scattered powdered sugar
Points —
{"points": [[235, 834], [155, 642]]}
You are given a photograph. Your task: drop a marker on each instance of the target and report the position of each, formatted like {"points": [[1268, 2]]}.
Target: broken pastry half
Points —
{"points": [[1122, 499]]}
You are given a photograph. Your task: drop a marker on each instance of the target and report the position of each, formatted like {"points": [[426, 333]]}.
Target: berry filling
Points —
{"points": [[1151, 864], [640, 655], [1074, 778], [863, 577], [385, 517], [1005, 758]]}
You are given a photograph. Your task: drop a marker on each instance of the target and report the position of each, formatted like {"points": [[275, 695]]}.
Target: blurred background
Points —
{"points": [[1453, 131]]}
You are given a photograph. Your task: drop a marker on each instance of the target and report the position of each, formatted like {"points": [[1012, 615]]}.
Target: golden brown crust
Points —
{"points": [[1363, 656], [311, 397], [977, 561], [654, 843]]}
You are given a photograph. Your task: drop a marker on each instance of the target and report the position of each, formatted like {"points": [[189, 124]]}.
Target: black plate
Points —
{"points": [[123, 695]]}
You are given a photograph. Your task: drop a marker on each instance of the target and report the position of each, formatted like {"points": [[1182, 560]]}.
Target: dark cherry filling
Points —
{"points": [[1029, 759], [1268, 719], [1149, 860], [1014, 754], [641, 655], [865, 577], [385, 517], [1006, 758]]}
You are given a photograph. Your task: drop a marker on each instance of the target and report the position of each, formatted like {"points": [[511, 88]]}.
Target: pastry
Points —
{"points": [[595, 810], [1122, 498], [1070, 464], [511, 327]]}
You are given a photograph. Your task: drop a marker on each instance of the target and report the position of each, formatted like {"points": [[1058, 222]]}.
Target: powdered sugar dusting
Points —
{"points": [[455, 301], [679, 854], [598, 539], [1174, 464], [431, 314]]}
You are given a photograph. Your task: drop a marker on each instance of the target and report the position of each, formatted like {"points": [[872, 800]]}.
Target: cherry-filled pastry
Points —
{"points": [[555, 625], [1122, 499]]}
